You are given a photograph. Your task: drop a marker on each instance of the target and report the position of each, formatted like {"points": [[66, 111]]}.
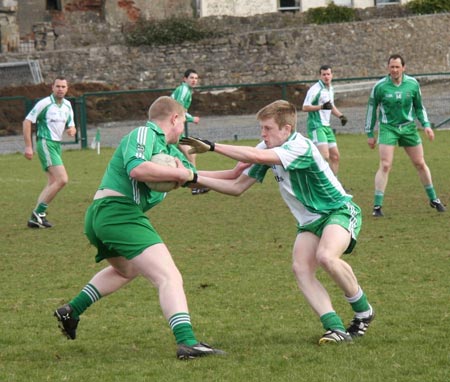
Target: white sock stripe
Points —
{"points": [[356, 297], [179, 319], [91, 292]]}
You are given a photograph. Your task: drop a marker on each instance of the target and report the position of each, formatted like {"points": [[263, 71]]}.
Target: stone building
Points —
{"points": [[31, 25]]}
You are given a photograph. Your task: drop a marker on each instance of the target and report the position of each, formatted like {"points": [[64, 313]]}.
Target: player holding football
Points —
{"points": [[53, 115], [399, 100], [116, 224], [319, 104], [328, 221]]}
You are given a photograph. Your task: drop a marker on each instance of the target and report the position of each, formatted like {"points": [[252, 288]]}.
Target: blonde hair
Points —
{"points": [[283, 113], [163, 107]]}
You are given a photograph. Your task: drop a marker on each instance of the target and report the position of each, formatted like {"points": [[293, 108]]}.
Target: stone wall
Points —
{"points": [[9, 32], [289, 53]]}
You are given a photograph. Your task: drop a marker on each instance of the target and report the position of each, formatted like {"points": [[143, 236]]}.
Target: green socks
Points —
{"points": [[431, 193], [88, 295], [41, 208], [359, 303], [379, 195], [180, 323], [378, 198], [331, 321]]}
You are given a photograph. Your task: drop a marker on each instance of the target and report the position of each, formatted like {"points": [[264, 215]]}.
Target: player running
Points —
{"points": [[319, 104], [116, 224]]}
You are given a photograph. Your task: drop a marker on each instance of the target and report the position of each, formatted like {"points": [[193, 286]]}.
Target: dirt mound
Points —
{"points": [[114, 105]]}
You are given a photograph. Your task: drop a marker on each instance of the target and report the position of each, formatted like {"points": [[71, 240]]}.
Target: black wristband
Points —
{"points": [[195, 179], [212, 146]]}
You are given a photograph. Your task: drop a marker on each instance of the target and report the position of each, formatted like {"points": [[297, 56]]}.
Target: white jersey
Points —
{"points": [[306, 182], [318, 94], [51, 118]]}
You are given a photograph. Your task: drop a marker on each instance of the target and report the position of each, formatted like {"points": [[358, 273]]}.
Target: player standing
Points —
{"points": [[399, 100], [52, 115]]}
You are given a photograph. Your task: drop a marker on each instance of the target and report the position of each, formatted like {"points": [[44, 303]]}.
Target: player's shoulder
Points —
{"points": [[410, 80], [316, 87], [296, 141], [44, 102], [67, 103], [382, 81]]}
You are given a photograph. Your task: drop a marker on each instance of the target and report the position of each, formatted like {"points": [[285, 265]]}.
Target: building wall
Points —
{"points": [[237, 7], [9, 31], [254, 7], [122, 12]]}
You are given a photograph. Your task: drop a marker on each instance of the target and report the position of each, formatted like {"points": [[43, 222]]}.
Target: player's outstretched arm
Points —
{"points": [[234, 187], [240, 153], [226, 174]]}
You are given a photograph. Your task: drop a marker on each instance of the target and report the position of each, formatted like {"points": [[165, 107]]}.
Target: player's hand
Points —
{"points": [[430, 133], [71, 132], [327, 105], [343, 119], [28, 153], [371, 142], [198, 145]]}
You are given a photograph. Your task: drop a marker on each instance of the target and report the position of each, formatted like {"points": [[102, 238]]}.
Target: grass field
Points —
{"points": [[235, 256]]}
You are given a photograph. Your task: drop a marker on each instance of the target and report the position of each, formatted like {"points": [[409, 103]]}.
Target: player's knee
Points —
{"points": [[300, 270], [420, 166], [385, 166], [324, 260]]}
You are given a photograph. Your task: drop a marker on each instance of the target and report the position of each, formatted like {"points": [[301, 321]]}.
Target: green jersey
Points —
{"points": [[318, 94], [183, 94], [398, 105], [51, 118], [306, 182], [135, 148]]}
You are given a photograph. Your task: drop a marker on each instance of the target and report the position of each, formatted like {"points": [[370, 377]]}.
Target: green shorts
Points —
{"points": [[116, 226], [348, 216], [49, 153], [322, 135], [404, 136]]}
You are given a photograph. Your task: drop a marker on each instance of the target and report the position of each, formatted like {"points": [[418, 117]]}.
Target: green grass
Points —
{"points": [[235, 257]]}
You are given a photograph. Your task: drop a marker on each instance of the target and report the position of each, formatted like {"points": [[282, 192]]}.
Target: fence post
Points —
{"points": [[81, 101]]}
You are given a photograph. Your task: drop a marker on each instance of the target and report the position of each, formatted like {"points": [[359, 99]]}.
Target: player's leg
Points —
{"points": [[333, 152], [334, 157], [416, 156], [105, 282], [323, 149], [51, 162], [334, 241], [386, 153], [305, 266], [157, 265], [338, 238], [320, 139], [57, 178]]}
